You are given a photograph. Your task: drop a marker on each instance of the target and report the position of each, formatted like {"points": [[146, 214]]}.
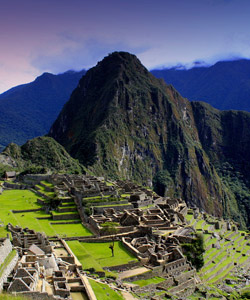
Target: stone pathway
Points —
{"points": [[128, 296], [133, 272]]}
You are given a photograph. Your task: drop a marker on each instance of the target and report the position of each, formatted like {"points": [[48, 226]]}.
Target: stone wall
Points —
{"points": [[35, 178], [185, 276], [183, 286], [132, 249], [38, 296], [164, 285], [26, 210], [124, 267], [15, 186], [99, 210], [66, 217], [7, 271], [5, 249], [143, 276]]}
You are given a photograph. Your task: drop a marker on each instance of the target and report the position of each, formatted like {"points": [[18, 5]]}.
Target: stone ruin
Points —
{"points": [[163, 216], [23, 239], [45, 268], [149, 226]]}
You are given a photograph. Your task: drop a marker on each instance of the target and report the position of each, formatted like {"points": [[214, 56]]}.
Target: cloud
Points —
{"points": [[78, 55]]}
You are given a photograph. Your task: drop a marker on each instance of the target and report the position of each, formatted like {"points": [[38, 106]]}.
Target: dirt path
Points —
{"points": [[133, 272], [128, 296]]}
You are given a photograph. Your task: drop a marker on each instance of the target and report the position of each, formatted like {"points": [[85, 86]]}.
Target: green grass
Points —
{"points": [[153, 280], [48, 184], [98, 255], [104, 292], [45, 192], [6, 296], [189, 217], [56, 213], [110, 205], [147, 206], [199, 224], [25, 199], [7, 260], [125, 195], [109, 183]]}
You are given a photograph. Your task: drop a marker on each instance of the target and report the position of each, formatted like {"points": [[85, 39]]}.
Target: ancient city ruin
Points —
{"points": [[150, 227]]}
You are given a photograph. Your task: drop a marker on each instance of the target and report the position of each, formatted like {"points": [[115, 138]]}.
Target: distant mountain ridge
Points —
{"points": [[29, 110], [225, 85]]}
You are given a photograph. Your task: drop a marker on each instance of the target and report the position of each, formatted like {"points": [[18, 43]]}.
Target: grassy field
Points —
{"points": [[152, 280], [25, 199], [98, 255], [104, 292]]}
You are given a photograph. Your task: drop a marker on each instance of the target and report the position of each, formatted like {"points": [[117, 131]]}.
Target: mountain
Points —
{"points": [[225, 85], [29, 110], [123, 122], [39, 155]]}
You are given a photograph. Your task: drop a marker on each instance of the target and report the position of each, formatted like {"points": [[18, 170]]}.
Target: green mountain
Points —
{"points": [[29, 110], [39, 155], [123, 122]]}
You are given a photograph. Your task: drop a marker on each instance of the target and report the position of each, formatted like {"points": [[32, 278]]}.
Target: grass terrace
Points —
{"points": [[7, 260], [25, 199], [153, 280], [43, 190], [5, 296], [104, 292], [98, 255]]}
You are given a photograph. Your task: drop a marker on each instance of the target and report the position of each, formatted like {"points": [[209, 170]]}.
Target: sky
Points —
{"points": [[54, 36]]}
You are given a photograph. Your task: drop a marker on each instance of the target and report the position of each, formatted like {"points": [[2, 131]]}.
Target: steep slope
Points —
{"points": [[225, 85], [225, 136], [41, 154], [30, 109], [123, 122]]}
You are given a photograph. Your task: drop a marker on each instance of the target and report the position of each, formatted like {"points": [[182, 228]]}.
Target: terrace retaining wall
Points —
{"points": [[124, 267], [99, 210], [65, 217], [26, 210], [5, 249], [7, 271]]}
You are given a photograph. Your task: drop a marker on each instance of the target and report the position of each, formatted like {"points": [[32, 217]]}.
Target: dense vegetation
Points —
{"points": [[194, 251], [38, 155]]}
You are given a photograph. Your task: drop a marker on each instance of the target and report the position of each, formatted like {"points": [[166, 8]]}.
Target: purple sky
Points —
{"points": [[58, 35]]}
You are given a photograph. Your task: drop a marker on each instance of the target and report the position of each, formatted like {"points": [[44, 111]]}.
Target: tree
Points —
{"points": [[194, 251], [109, 228]]}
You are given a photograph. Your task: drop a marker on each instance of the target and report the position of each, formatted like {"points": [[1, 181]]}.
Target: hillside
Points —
{"points": [[224, 85], [39, 155], [123, 122], [29, 110]]}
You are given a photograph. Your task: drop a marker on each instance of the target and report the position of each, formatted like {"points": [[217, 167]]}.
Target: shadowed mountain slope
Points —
{"points": [[29, 110]]}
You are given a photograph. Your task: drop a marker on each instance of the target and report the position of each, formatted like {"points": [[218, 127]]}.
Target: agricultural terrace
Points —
{"points": [[24, 200], [225, 250], [98, 255], [104, 292]]}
